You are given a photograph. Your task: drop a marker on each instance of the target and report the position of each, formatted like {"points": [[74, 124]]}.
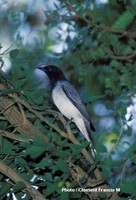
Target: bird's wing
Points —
{"points": [[73, 95]]}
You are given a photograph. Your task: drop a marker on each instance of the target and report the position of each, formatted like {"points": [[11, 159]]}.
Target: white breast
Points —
{"points": [[64, 104], [67, 108]]}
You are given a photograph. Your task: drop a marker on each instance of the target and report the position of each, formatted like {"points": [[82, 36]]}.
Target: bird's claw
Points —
{"points": [[68, 122]]}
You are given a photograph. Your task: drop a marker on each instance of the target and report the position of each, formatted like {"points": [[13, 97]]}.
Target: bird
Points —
{"points": [[68, 101]]}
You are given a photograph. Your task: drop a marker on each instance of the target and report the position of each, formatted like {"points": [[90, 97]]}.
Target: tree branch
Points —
{"points": [[11, 173], [13, 136], [16, 118], [123, 32]]}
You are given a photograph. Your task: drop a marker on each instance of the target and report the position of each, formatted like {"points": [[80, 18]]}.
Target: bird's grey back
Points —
{"points": [[73, 95]]}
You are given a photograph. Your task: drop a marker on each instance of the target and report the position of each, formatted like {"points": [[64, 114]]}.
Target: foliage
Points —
{"points": [[99, 59]]}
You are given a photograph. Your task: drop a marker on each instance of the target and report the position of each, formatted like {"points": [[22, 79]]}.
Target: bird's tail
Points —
{"points": [[88, 128]]}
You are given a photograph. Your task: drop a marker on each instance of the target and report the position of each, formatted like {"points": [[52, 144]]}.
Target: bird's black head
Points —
{"points": [[53, 72]]}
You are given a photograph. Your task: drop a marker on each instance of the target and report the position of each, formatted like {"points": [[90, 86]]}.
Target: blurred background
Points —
{"points": [[94, 43]]}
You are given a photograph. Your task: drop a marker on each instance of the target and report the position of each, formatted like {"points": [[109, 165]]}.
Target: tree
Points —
{"points": [[38, 147]]}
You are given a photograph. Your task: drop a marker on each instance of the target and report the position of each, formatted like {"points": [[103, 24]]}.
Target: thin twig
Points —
{"points": [[121, 31], [9, 106], [22, 112], [13, 136], [125, 168], [77, 14]]}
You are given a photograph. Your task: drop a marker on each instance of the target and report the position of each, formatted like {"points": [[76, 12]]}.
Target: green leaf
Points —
{"points": [[101, 148], [1, 177], [21, 161], [27, 175], [8, 147], [48, 177], [4, 189], [63, 166], [132, 149], [19, 186], [125, 19], [64, 195], [76, 148], [45, 162], [14, 53], [129, 187], [38, 141], [50, 189], [35, 151], [62, 153]]}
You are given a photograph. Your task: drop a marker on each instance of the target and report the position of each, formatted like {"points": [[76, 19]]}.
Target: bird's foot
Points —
{"points": [[68, 122]]}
